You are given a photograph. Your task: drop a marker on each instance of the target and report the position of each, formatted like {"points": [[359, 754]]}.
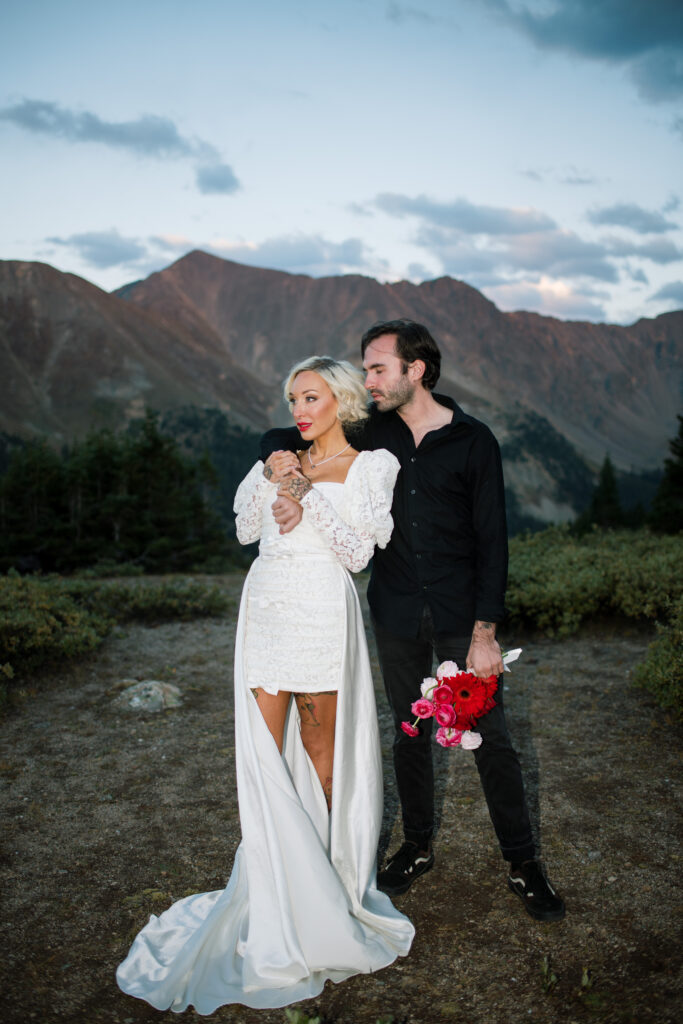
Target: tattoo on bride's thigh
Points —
{"points": [[306, 706]]}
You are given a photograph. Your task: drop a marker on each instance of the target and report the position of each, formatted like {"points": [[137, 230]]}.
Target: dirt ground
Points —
{"points": [[109, 815]]}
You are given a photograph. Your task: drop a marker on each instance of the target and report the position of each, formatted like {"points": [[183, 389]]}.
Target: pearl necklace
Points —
{"points": [[314, 465]]}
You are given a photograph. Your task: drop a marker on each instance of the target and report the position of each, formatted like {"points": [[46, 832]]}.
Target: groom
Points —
{"points": [[437, 588]]}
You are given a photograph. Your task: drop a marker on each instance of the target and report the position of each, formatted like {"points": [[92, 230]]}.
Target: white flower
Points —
{"points": [[427, 687], [447, 668], [470, 740], [509, 656]]}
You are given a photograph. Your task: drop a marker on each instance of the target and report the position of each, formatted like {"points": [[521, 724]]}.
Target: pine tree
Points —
{"points": [[666, 515], [605, 508]]}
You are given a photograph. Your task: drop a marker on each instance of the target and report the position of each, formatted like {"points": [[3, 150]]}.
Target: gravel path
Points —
{"points": [[109, 815]]}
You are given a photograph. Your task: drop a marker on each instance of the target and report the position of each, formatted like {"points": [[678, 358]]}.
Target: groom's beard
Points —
{"points": [[393, 398]]}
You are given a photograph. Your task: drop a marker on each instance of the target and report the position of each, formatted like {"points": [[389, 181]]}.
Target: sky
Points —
{"points": [[531, 148]]}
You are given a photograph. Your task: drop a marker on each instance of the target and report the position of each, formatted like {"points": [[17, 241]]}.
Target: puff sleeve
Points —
{"points": [[368, 522], [249, 501]]}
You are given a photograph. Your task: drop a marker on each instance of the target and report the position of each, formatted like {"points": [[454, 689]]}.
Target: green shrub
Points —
{"points": [[661, 673], [48, 619], [40, 623], [558, 580], [152, 602]]}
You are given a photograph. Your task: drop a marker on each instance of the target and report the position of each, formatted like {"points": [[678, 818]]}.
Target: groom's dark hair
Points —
{"points": [[413, 341]]}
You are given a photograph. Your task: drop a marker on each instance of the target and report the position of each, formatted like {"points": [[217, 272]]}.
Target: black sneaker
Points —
{"points": [[404, 867], [535, 891]]}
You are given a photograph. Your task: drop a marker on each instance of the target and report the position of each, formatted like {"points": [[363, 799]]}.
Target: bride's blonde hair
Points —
{"points": [[344, 381]]}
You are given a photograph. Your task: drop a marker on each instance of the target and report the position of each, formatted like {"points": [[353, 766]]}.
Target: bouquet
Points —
{"points": [[456, 699]]}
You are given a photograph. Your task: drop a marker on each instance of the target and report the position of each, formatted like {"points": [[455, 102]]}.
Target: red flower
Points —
{"points": [[473, 698], [410, 730], [422, 707], [443, 694], [445, 715]]}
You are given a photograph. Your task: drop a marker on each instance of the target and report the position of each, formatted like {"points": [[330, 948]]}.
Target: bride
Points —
{"points": [[301, 905]]}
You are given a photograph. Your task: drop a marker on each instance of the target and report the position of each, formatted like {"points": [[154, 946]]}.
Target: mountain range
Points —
{"points": [[210, 333]]}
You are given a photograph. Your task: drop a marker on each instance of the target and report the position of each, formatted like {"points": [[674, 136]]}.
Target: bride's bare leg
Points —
{"points": [[274, 710], [318, 713]]}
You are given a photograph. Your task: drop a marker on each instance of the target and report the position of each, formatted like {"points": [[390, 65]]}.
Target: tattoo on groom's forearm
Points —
{"points": [[268, 472], [484, 630]]}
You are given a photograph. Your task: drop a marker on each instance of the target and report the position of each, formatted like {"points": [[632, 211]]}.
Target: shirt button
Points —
{"points": [[413, 491], [414, 523], [413, 459], [418, 556], [425, 587]]}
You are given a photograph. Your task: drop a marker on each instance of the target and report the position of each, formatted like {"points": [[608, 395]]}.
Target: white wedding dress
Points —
{"points": [[301, 905]]}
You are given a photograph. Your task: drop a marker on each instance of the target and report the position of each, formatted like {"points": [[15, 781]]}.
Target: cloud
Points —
{"points": [[569, 176], [483, 243], [104, 249], [672, 204], [550, 298], [147, 136], [400, 13], [644, 36], [464, 216], [659, 76], [672, 291], [630, 215], [472, 239], [303, 254], [216, 178], [418, 272], [574, 177], [677, 126], [638, 275], [659, 250]]}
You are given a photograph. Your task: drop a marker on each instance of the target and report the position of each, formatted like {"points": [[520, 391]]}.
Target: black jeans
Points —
{"points": [[405, 662]]}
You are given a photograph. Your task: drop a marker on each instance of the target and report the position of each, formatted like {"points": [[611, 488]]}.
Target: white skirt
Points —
{"points": [[301, 906]]}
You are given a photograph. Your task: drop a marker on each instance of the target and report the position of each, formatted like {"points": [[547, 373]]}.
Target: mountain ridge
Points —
{"points": [[209, 334], [586, 379]]}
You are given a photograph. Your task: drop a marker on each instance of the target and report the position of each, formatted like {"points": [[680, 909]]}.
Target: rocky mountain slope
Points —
{"points": [[605, 388], [211, 334], [73, 356]]}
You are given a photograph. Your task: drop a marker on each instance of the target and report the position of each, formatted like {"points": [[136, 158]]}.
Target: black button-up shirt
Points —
{"points": [[449, 544]]}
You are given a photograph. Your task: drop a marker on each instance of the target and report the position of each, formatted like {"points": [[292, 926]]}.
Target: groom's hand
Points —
{"points": [[483, 657], [287, 513]]}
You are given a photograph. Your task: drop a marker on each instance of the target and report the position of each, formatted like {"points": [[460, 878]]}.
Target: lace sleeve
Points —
{"points": [[372, 493], [249, 501], [371, 486], [352, 547]]}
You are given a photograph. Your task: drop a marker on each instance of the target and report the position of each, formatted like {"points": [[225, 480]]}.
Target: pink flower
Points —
{"points": [[471, 740], [445, 715], [410, 730], [422, 708], [448, 737], [428, 685], [443, 694], [447, 668]]}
